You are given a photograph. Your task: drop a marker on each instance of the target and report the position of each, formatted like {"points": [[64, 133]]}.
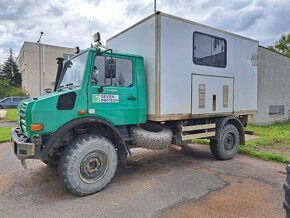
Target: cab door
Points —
{"points": [[113, 99]]}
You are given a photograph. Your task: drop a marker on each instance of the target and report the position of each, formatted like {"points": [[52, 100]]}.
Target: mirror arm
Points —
{"points": [[101, 89]]}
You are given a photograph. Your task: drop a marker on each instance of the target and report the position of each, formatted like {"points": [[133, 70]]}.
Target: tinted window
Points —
{"points": [[17, 99], [209, 50], [6, 100], [124, 72]]}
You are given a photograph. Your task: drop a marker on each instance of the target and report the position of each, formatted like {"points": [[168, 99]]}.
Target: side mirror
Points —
{"points": [[110, 68], [97, 37]]}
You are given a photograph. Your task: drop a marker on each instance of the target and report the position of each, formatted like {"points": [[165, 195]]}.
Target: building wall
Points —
{"points": [[37, 64], [273, 87]]}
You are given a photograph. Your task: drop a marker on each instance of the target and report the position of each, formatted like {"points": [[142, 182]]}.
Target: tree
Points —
{"points": [[282, 45], [10, 71], [4, 87]]}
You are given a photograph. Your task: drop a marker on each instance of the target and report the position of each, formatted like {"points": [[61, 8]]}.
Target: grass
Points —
{"points": [[264, 155], [5, 134], [12, 115], [272, 143]]}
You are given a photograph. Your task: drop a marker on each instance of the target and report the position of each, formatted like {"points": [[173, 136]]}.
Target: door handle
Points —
{"points": [[131, 98]]}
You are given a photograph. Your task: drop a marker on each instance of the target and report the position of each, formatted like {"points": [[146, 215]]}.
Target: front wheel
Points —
{"points": [[88, 164], [228, 144]]}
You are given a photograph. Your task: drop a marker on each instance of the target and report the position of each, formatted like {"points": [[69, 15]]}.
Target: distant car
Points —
{"points": [[11, 102]]}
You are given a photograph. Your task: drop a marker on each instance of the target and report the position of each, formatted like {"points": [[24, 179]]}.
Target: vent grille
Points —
{"points": [[22, 117], [226, 96], [201, 100]]}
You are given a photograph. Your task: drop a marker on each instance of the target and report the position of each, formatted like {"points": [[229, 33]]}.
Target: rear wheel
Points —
{"points": [[1, 107], [88, 164], [227, 145]]}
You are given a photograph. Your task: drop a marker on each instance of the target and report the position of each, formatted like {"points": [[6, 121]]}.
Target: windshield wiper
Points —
{"points": [[68, 85]]}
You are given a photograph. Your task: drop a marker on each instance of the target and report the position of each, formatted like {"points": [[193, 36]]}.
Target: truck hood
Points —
{"points": [[43, 109]]}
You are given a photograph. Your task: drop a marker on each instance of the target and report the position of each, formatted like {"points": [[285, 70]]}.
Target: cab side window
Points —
{"points": [[124, 72]]}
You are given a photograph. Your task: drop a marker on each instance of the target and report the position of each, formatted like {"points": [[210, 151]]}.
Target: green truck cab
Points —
{"points": [[99, 94]]}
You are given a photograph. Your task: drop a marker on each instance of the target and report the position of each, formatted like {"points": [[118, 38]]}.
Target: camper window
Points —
{"points": [[209, 50]]}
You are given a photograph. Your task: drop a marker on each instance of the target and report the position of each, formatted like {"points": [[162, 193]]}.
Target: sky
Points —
{"points": [[68, 22]]}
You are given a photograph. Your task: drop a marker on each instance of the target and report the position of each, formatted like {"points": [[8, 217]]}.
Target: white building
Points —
{"points": [[273, 87], [37, 64]]}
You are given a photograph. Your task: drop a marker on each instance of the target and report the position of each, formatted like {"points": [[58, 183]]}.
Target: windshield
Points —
{"points": [[73, 71]]}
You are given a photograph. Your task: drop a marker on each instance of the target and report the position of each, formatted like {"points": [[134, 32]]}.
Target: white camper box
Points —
{"points": [[192, 70]]}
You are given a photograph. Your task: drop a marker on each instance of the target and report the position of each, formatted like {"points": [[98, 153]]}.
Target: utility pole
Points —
{"points": [[40, 63], [154, 6]]}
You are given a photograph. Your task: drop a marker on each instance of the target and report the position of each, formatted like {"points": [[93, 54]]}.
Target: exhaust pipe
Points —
{"points": [[58, 72]]}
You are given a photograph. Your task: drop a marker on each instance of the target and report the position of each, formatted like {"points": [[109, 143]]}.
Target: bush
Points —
{"points": [[7, 90], [15, 91]]}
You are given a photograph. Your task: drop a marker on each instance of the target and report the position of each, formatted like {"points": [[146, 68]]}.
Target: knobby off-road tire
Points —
{"points": [[151, 136], [286, 203], [228, 144], [88, 164]]}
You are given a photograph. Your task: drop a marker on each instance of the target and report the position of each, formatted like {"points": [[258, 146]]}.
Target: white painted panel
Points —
{"points": [[177, 66], [213, 86], [140, 40]]}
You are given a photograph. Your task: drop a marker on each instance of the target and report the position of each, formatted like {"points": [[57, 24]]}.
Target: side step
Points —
{"points": [[209, 131]]}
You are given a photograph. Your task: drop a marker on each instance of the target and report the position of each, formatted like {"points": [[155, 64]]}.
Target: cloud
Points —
{"points": [[67, 22]]}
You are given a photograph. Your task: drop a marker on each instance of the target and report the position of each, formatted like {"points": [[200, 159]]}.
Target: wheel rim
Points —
{"points": [[93, 166], [229, 142]]}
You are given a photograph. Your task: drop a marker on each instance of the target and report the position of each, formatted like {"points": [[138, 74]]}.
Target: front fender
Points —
{"points": [[84, 120]]}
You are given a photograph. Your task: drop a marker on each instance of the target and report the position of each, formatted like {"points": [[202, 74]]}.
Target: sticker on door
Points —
{"points": [[104, 98]]}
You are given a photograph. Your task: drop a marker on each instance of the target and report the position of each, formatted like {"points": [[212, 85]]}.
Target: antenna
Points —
{"points": [[91, 34], [39, 40]]}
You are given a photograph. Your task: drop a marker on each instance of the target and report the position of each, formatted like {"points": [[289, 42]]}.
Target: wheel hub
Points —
{"points": [[229, 142], [93, 166]]}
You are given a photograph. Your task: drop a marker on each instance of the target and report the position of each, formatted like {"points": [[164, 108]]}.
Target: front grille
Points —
{"points": [[22, 116]]}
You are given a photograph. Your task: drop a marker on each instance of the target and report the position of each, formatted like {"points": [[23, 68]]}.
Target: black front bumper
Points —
{"points": [[22, 146]]}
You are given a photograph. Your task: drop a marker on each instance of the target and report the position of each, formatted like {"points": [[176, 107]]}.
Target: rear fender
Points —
{"points": [[220, 123]]}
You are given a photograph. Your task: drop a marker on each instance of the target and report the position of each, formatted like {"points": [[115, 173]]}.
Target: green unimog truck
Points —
{"points": [[187, 81]]}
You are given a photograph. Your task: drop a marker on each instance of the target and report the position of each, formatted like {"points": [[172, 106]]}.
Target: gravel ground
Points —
{"points": [[164, 183]]}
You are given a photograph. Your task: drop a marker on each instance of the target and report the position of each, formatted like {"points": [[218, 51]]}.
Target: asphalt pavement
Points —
{"points": [[163, 183]]}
